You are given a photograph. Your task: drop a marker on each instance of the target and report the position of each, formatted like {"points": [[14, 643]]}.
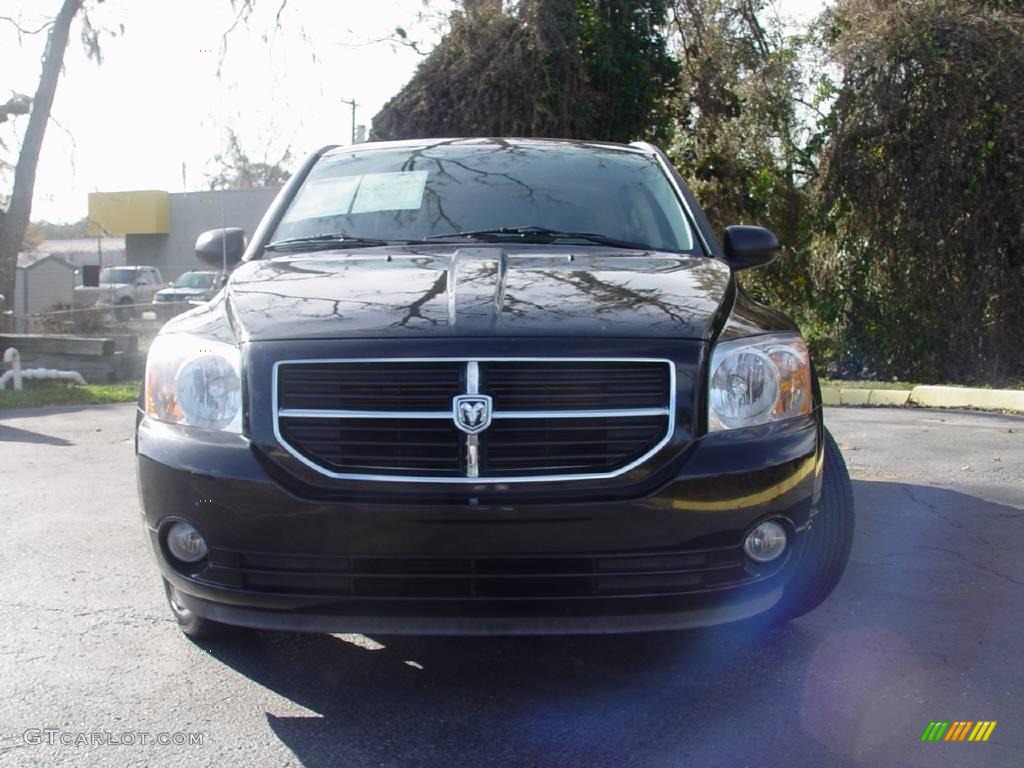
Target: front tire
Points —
{"points": [[192, 625], [830, 539], [123, 310]]}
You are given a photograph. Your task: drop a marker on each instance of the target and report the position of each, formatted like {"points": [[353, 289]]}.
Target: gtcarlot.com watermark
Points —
{"points": [[58, 736]]}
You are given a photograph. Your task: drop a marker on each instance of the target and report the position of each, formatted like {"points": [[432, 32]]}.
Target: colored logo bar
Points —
{"points": [[958, 730]]}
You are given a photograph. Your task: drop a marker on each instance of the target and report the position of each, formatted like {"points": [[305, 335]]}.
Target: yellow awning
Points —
{"points": [[142, 212]]}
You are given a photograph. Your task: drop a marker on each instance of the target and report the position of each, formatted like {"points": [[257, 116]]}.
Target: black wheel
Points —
{"points": [[827, 549], [123, 310], [191, 624]]}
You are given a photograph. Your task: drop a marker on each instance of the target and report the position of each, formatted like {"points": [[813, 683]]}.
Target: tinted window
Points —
{"points": [[194, 280], [393, 193], [119, 276]]}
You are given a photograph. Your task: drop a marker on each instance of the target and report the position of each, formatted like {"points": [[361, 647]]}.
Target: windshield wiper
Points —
{"points": [[324, 242], [540, 235]]}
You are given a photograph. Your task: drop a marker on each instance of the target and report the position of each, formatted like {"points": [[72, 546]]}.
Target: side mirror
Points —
{"points": [[749, 247], [215, 246]]}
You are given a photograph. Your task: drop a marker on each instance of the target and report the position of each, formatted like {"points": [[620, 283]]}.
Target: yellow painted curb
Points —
{"points": [[889, 396], [857, 396], [968, 397], [928, 396], [830, 396]]}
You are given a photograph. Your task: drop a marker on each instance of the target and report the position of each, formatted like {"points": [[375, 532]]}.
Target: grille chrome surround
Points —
{"points": [[668, 413]]}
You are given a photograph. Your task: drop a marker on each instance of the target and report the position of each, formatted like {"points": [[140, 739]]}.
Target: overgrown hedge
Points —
{"points": [[885, 146]]}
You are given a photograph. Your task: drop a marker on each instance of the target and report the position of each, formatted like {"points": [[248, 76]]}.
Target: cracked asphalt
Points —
{"points": [[927, 624]]}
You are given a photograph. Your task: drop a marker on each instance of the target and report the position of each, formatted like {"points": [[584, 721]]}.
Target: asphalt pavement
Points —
{"points": [[927, 624]]}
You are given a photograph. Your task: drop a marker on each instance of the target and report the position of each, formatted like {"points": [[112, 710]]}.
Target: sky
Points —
{"points": [[154, 113]]}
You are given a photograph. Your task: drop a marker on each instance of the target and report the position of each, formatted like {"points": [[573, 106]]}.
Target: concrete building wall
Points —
{"points": [[191, 214]]}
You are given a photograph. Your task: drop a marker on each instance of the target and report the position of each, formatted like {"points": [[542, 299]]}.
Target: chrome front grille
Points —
{"points": [[474, 420], [344, 386]]}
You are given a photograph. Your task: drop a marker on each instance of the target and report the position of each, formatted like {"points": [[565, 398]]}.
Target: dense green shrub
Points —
{"points": [[590, 69], [920, 264], [885, 147]]}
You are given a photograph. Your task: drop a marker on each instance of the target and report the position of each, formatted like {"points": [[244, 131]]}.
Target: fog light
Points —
{"points": [[185, 543], [766, 542]]}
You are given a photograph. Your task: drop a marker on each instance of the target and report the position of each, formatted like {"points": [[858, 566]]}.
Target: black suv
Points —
{"points": [[487, 386]]}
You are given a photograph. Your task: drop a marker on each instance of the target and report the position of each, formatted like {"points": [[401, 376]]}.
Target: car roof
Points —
{"points": [[483, 141]]}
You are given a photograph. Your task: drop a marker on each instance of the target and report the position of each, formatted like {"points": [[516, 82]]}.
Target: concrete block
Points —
{"points": [[967, 397], [831, 396], [888, 396], [855, 396]]}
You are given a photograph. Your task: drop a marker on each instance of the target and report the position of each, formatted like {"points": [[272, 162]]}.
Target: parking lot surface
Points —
{"points": [[927, 624]]}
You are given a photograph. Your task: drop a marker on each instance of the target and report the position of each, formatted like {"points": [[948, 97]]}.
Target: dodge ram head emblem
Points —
{"points": [[472, 413]]}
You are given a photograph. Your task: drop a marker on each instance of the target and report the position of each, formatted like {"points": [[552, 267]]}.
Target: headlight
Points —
{"points": [[758, 380], [194, 381]]}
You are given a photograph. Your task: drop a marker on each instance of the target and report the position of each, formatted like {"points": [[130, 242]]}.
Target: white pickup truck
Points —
{"points": [[122, 287]]}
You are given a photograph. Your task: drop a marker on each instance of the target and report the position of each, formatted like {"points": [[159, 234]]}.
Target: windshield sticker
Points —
{"points": [[390, 192], [324, 197]]}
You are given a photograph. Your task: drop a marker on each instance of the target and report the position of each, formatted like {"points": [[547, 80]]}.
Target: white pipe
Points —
{"points": [[11, 356], [42, 373]]}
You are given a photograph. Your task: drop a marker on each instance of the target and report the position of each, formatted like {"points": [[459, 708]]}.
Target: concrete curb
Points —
{"points": [[928, 396], [854, 396], [964, 397]]}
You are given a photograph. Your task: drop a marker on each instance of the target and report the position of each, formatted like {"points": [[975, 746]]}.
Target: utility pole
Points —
{"points": [[352, 103]]}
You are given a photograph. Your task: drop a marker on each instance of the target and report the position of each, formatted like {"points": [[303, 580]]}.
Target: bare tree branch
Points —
{"points": [[23, 31], [243, 10]]}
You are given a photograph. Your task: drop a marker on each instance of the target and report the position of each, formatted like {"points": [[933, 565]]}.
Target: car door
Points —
{"points": [[150, 285]]}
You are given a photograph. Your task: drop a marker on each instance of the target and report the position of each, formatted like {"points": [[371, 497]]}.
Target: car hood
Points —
{"points": [[476, 291], [172, 291]]}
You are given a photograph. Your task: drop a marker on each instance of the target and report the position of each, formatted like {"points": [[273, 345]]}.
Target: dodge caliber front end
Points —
{"points": [[488, 386]]}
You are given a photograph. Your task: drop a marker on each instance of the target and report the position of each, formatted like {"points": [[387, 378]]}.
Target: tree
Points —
{"points": [[589, 69], [629, 70], [15, 219], [40, 231], [738, 136], [18, 104], [237, 171], [495, 73], [923, 189]]}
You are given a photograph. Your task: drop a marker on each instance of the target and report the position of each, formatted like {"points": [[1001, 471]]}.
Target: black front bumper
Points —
{"points": [[670, 559]]}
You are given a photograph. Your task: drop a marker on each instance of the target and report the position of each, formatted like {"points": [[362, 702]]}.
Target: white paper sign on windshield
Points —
{"points": [[331, 196], [401, 191]]}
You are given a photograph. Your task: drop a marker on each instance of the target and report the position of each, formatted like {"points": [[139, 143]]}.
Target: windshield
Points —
{"points": [[118, 276], [194, 280], [452, 187]]}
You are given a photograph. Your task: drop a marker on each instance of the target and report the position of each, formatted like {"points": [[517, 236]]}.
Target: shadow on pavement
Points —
{"points": [[599, 700], [853, 683], [16, 435]]}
